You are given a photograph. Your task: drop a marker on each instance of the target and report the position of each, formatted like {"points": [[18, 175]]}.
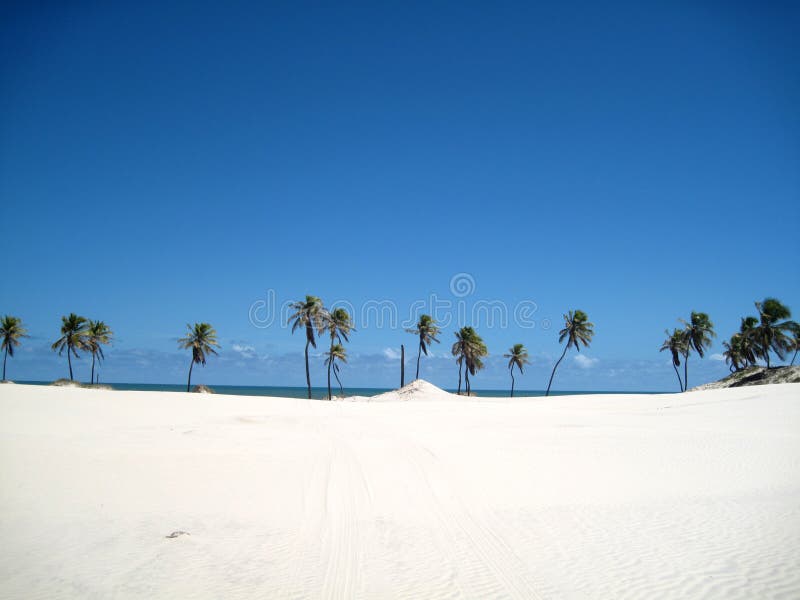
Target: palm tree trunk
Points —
{"points": [[466, 381], [341, 389], [189, 382], [791, 364], [402, 365], [686, 372], [680, 383], [5, 358], [460, 364], [308, 375], [766, 356], [69, 360], [419, 353], [92, 379], [547, 393], [512, 381], [330, 362]]}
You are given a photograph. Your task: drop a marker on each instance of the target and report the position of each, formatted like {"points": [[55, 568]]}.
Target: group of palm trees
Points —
{"points": [[312, 316], [757, 338], [695, 335], [771, 332], [82, 334], [79, 334], [469, 349]]}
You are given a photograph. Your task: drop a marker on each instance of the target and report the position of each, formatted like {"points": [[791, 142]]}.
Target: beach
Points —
{"points": [[128, 494]]}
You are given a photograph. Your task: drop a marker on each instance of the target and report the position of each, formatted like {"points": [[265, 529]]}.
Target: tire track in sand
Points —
{"points": [[306, 550], [474, 547], [327, 555], [346, 497]]}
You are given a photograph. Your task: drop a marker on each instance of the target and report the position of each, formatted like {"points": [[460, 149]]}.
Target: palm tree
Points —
{"points": [[795, 341], [747, 344], [97, 334], [308, 314], [698, 331], [11, 332], [73, 338], [733, 352], [459, 350], [202, 339], [469, 349], [337, 352], [427, 331], [517, 357], [577, 330], [339, 325], [772, 334], [676, 344], [476, 350]]}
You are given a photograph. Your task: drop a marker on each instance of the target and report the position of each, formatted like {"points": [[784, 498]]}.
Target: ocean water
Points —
{"points": [[320, 393]]}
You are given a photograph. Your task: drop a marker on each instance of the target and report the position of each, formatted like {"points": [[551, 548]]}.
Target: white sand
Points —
{"points": [[678, 496]]}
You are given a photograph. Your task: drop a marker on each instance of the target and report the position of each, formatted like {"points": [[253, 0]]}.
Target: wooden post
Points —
{"points": [[402, 365]]}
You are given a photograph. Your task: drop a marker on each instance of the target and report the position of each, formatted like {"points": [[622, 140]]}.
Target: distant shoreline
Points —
{"points": [[320, 393]]}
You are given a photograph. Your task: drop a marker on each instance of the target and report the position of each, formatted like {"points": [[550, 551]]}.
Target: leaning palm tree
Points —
{"points": [[11, 332], [97, 334], [73, 338], [577, 330], [308, 314], [469, 350], [676, 343], [774, 331], [427, 331], [698, 331], [517, 357], [337, 352], [202, 339], [339, 325]]}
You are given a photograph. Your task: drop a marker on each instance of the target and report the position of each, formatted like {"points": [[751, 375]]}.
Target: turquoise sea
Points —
{"points": [[321, 393]]}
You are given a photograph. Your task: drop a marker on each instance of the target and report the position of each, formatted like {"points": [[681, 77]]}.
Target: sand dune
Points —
{"points": [[673, 496]]}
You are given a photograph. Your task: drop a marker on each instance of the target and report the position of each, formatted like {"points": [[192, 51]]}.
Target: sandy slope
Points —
{"points": [[678, 496]]}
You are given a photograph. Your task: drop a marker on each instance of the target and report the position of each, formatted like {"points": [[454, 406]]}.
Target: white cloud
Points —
{"points": [[391, 353], [245, 350], [584, 362], [717, 357]]}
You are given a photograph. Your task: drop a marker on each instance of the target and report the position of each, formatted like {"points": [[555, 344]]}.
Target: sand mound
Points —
{"points": [[417, 390]]}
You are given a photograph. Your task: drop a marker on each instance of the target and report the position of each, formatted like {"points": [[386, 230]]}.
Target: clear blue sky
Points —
{"points": [[163, 163]]}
